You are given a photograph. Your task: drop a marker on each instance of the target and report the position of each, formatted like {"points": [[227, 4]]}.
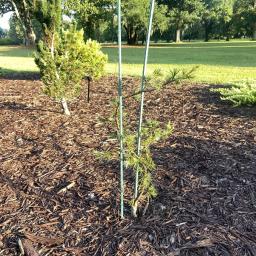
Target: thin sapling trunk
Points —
{"points": [[65, 107]]}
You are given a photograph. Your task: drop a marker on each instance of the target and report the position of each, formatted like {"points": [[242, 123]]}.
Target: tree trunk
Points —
{"points": [[113, 32], [19, 17], [30, 34], [30, 37], [26, 23], [52, 44], [254, 25], [65, 107], [206, 33], [254, 32], [178, 35], [132, 35], [254, 35], [143, 40]]}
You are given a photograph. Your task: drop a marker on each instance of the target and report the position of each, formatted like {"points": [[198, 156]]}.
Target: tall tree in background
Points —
{"points": [[245, 15], [183, 13], [217, 18], [135, 19], [210, 17], [23, 10], [15, 32], [2, 33], [226, 11], [91, 15]]}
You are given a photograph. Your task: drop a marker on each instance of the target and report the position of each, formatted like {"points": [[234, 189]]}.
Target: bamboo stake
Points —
{"points": [[143, 79], [120, 96]]}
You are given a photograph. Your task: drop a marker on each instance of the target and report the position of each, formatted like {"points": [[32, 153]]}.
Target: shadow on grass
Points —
{"points": [[23, 107]]}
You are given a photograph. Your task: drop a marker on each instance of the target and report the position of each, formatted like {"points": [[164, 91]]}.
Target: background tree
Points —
{"points": [[23, 10], [15, 32], [98, 18], [135, 19], [210, 17], [94, 16], [190, 19], [226, 11], [182, 13], [245, 16], [3, 33]]}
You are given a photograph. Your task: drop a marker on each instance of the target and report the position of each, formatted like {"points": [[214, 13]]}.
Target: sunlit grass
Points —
{"points": [[219, 62]]}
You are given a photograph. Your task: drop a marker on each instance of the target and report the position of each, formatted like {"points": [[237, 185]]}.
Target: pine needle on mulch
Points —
{"points": [[57, 199]]}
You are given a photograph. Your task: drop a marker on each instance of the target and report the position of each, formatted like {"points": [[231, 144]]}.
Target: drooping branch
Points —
{"points": [[18, 16], [25, 21]]}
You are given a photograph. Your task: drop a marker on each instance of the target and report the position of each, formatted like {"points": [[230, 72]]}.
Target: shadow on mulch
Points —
{"points": [[208, 97], [206, 188], [9, 74], [207, 156], [19, 106], [54, 187]]}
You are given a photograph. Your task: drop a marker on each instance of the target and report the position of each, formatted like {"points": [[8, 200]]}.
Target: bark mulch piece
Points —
{"points": [[57, 199]]}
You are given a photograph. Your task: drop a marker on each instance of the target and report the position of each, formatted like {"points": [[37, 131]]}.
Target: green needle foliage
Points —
{"points": [[241, 94], [159, 79], [49, 15], [152, 133], [72, 59]]}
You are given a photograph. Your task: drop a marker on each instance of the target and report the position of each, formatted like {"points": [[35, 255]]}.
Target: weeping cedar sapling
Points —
{"points": [[63, 68], [152, 133]]}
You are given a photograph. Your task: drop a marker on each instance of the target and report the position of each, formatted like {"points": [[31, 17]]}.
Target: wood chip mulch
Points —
{"points": [[57, 199]]}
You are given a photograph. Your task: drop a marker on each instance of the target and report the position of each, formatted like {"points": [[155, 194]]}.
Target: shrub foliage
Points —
{"points": [[72, 59], [239, 95]]}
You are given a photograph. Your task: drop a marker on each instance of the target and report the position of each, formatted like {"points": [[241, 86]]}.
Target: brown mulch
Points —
{"points": [[57, 199]]}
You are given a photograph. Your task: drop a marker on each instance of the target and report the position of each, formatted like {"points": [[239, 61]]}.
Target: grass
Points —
{"points": [[219, 62]]}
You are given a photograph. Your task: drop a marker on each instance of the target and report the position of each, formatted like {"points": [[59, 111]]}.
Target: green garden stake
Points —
{"points": [[120, 96], [143, 79]]}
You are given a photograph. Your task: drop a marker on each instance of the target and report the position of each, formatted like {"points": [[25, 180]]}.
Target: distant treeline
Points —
{"points": [[174, 20]]}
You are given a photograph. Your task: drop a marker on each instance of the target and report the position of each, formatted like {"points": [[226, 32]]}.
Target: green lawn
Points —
{"points": [[219, 62]]}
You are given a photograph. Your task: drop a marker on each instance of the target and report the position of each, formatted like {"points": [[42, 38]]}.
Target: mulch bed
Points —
{"points": [[60, 200]]}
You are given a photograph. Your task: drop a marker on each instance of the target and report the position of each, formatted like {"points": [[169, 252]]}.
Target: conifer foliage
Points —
{"points": [[243, 94], [72, 59], [63, 57]]}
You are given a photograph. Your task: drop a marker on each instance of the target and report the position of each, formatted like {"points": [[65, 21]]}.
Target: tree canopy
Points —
{"points": [[24, 13], [173, 19]]}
